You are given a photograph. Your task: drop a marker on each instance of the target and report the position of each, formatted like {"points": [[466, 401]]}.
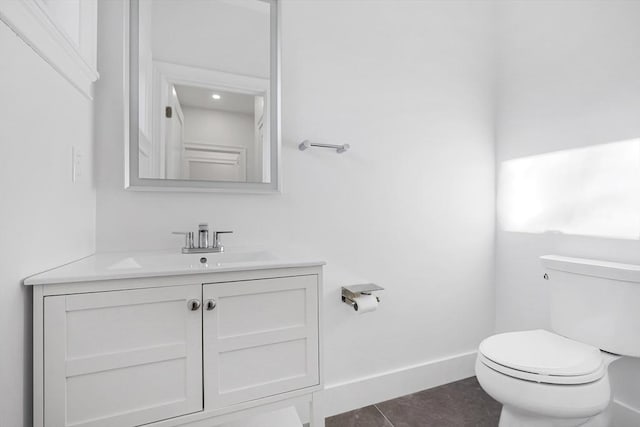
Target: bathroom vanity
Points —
{"points": [[166, 339]]}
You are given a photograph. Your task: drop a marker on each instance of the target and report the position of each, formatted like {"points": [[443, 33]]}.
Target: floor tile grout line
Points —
{"points": [[385, 417]]}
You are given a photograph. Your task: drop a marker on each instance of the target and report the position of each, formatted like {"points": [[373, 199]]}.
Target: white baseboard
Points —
{"points": [[364, 391], [349, 395], [625, 415]]}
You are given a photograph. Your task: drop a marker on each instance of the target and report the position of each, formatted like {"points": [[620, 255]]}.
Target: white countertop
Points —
{"points": [[129, 265]]}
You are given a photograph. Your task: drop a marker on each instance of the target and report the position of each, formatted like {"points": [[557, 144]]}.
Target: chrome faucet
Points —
{"points": [[203, 246]]}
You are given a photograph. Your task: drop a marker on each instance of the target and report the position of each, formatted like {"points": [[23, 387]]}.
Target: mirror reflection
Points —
{"points": [[204, 90]]}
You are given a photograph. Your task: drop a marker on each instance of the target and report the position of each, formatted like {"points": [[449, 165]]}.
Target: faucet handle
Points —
{"points": [[188, 238], [216, 239]]}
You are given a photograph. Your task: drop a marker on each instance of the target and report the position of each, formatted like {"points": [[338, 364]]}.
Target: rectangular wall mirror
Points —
{"points": [[204, 95]]}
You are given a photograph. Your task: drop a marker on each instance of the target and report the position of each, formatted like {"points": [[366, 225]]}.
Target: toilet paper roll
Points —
{"points": [[365, 303]]}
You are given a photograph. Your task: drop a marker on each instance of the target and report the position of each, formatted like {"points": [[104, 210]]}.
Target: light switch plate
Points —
{"points": [[76, 161]]}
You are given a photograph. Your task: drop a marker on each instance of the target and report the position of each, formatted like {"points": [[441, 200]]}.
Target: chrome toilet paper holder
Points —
{"points": [[350, 293]]}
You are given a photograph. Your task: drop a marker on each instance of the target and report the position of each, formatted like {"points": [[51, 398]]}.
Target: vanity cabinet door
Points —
{"points": [[122, 358], [260, 338]]}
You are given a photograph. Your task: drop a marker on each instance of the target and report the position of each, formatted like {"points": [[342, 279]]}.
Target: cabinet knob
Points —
{"points": [[194, 304], [211, 304]]}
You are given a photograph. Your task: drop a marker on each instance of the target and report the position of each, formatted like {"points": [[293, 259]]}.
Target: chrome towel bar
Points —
{"points": [[339, 148]]}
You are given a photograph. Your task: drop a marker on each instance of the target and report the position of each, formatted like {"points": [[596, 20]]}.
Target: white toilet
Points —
{"points": [[560, 378]]}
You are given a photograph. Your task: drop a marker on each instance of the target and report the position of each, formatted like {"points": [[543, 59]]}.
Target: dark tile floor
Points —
{"points": [[459, 404]]}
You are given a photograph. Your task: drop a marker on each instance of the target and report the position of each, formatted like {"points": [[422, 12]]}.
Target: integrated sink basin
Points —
{"points": [[170, 260], [116, 265]]}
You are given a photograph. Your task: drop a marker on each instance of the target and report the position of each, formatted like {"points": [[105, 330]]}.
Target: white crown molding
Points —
{"points": [[31, 22]]}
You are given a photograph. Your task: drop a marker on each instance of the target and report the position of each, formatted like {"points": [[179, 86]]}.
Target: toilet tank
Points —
{"points": [[595, 302]]}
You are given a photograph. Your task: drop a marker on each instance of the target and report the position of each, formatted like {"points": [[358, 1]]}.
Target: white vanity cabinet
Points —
{"points": [[192, 350]]}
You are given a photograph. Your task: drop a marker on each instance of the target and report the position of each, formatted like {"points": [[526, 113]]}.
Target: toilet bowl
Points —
{"points": [[560, 378], [545, 380]]}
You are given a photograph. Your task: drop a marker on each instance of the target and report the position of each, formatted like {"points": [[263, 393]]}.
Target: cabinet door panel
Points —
{"points": [[261, 312], [261, 339], [262, 364], [122, 358]]}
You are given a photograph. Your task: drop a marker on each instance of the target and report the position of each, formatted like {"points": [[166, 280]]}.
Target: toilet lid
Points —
{"points": [[543, 353]]}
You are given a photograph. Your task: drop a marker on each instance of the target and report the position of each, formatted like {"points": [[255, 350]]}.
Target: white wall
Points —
{"points": [[219, 128], [225, 128], [225, 36], [410, 207], [568, 78], [45, 219]]}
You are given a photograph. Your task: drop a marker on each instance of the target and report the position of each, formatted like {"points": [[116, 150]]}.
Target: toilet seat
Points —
{"points": [[543, 357]]}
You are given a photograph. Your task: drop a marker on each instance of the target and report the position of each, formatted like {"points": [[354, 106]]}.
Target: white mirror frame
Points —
{"points": [[132, 179]]}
